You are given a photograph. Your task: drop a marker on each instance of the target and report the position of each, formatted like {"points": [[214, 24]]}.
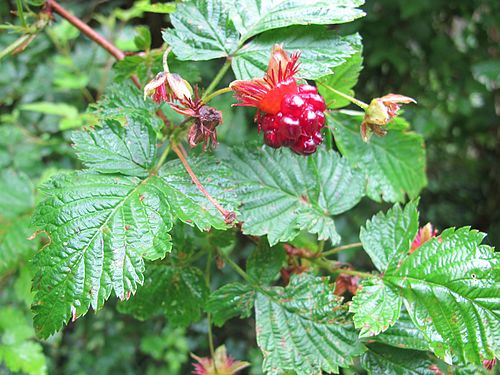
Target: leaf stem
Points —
{"points": [[216, 93], [333, 266], [338, 249], [209, 318], [220, 74], [161, 160], [359, 103], [229, 216], [237, 268], [20, 12]]}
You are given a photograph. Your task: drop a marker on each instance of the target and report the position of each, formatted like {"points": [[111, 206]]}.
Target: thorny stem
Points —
{"points": [[228, 216], [217, 78], [216, 93], [119, 55], [359, 103], [338, 249], [93, 35]]}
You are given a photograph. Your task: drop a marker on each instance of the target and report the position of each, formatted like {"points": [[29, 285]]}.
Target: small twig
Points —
{"points": [[217, 78], [358, 102], [207, 98], [338, 249], [229, 216]]}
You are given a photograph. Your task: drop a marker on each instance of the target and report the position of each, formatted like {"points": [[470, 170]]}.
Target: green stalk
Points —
{"points": [[359, 103], [207, 98], [20, 12], [162, 159], [217, 78], [338, 249]]}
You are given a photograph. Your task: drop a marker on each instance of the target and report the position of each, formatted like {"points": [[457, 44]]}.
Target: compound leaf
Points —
{"points": [[394, 164], [321, 51], [255, 16], [304, 329], [202, 30], [283, 193]]}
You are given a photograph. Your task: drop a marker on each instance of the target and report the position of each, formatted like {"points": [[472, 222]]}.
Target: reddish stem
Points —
{"points": [[91, 33], [229, 216]]}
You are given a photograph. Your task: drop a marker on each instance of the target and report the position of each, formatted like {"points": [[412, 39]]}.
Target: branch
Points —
{"points": [[89, 32]]}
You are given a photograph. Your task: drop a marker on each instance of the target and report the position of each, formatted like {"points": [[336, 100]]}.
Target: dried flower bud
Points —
{"points": [[380, 112], [204, 127], [489, 364], [168, 87], [221, 364], [424, 234]]}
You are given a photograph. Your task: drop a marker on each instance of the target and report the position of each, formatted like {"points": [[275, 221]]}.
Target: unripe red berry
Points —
{"points": [[289, 128], [308, 89], [271, 139], [309, 121], [292, 105], [316, 101], [321, 118], [305, 145]]}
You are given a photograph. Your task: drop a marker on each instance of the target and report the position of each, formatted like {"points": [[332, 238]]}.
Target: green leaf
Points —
{"points": [[177, 292], [383, 359], [394, 164], [321, 51], [449, 284], [450, 287], [233, 299], [264, 264], [186, 201], [388, 237], [304, 329], [376, 307], [14, 244], [17, 351], [283, 193], [143, 38], [16, 193], [343, 79], [202, 30], [58, 109], [404, 334], [102, 226], [125, 99], [256, 16], [129, 149]]}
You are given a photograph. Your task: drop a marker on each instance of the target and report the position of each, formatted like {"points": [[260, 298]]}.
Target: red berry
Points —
{"points": [[304, 146], [267, 123], [271, 139], [316, 101], [309, 121], [321, 118], [292, 105], [318, 138], [308, 89], [289, 128]]}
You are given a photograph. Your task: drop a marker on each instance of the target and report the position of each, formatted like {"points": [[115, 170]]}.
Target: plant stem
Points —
{"points": [[207, 98], [364, 275], [338, 249], [228, 215], [20, 12], [15, 45], [359, 103], [162, 159], [209, 318], [237, 268], [217, 78]]}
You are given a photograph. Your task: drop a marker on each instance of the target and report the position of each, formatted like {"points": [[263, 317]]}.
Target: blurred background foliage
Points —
{"points": [[445, 54]]}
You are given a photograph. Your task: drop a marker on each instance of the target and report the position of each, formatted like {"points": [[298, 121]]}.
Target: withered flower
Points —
{"points": [[380, 112]]}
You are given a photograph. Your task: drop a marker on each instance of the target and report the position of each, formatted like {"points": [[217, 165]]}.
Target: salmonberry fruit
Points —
{"points": [[298, 122]]}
